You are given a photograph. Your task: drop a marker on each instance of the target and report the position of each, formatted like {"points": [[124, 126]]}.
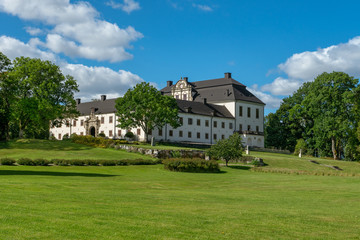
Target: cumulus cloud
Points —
{"points": [[270, 101], [13, 48], [307, 65], [34, 31], [201, 7], [282, 86], [128, 5], [93, 81], [77, 30]]}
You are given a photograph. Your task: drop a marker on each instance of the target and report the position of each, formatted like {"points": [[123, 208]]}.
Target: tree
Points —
{"points": [[5, 97], [145, 107], [227, 149], [331, 103], [42, 94]]}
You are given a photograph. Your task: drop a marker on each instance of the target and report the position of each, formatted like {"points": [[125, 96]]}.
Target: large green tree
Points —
{"points": [[42, 94], [331, 103], [227, 149], [144, 106], [5, 97]]}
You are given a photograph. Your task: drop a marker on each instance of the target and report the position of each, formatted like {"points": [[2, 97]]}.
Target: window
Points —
{"points": [[180, 133], [206, 136], [222, 136], [74, 123], [82, 123], [240, 111], [222, 124], [189, 134], [119, 133], [198, 122], [181, 120], [206, 123], [67, 123], [110, 133], [160, 132], [257, 128], [230, 126], [170, 133], [249, 128], [190, 121], [184, 97], [177, 96], [240, 127], [81, 133], [198, 135], [59, 136], [249, 112], [215, 136], [110, 119], [102, 132], [215, 124], [138, 131], [102, 120], [257, 113]]}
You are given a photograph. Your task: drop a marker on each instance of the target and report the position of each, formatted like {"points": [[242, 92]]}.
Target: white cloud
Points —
{"points": [[204, 8], [128, 5], [93, 81], [308, 65], [78, 31], [33, 31], [270, 101], [281, 86], [13, 48]]}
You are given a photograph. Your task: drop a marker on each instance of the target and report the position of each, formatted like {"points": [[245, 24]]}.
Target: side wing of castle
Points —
{"points": [[209, 110]]}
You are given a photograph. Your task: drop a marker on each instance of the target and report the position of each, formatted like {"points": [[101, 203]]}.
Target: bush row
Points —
{"points": [[77, 162], [191, 165], [98, 141]]}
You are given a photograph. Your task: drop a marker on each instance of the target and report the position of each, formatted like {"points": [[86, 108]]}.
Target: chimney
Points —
{"points": [[186, 79], [78, 101], [169, 83], [205, 101], [103, 97], [227, 75], [92, 111]]}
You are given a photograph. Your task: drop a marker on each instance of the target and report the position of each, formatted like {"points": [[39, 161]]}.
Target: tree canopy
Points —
{"points": [[144, 106], [325, 113], [227, 149], [36, 92]]}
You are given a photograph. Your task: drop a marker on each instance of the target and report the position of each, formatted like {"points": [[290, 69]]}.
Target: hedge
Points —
{"points": [[7, 161], [191, 165], [98, 141]]}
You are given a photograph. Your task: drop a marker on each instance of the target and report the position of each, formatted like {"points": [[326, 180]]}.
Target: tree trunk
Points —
{"points": [[21, 133], [333, 148]]}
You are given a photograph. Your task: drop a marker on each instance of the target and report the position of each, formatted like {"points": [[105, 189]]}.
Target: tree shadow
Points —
{"points": [[57, 174], [240, 167]]}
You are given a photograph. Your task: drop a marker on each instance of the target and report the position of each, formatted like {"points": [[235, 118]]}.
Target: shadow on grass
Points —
{"points": [[58, 174], [240, 167], [43, 145]]}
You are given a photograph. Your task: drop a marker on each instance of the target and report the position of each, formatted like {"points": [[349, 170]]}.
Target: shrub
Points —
{"points": [[41, 162], [175, 154], [7, 161], [78, 162], [191, 165], [61, 162], [108, 162], [66, 137], [130, 135], [101, 135], [90, 162], [26, 161]]}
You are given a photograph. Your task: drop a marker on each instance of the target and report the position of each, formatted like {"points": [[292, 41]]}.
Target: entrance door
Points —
{"points": [[92, 131]]}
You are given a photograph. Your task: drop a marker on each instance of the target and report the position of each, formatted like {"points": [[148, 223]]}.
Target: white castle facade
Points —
{"points": [[209, 110]]}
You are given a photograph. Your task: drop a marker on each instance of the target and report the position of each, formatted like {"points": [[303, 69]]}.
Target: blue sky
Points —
{"points": [[109, 46]]}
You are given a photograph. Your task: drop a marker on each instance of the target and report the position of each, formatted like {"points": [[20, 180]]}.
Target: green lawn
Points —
{"points": [[148, 202], [61, 149]]}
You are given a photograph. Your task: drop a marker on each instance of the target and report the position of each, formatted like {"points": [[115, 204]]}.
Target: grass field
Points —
{"points": [[148, 202], [61, 149]]}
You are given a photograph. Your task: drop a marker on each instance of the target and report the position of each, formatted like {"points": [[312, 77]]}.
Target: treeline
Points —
{"points": [[321, 118], [33, 92]]}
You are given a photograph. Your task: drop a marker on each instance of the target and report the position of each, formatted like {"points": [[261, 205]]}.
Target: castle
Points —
{"points": [[209, 110]]}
